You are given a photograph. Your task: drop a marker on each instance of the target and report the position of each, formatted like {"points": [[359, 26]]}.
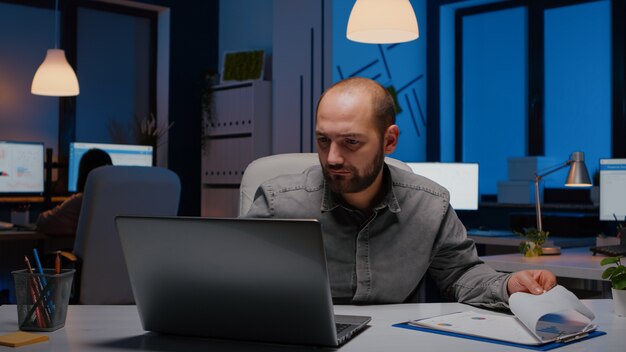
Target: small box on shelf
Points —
{"points": [[518, 192]]}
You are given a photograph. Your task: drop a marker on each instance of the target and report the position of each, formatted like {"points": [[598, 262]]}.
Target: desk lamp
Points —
{"points": [[578, 176]]}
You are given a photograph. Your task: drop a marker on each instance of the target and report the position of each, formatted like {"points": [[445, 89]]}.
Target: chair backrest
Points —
{"points": [[111, 191], [263, 169]]}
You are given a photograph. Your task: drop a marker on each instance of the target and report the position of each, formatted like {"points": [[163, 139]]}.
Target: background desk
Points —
{"points": [[576, 268], [20, 235], [117, 328], [503, 242], [573, 263]]}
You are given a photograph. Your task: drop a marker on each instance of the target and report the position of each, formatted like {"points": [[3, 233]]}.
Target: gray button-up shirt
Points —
{"points": [[382, 258]]}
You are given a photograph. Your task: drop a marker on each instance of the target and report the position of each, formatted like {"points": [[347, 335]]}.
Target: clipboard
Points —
{"points": [[543, 347]]}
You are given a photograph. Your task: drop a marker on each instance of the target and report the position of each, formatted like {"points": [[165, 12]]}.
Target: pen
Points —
{"points": [[40, 312], [38, 262], [43, 282]]}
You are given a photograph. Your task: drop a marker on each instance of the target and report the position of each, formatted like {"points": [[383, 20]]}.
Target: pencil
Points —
{"points": [[57, 263], [41, 313]]}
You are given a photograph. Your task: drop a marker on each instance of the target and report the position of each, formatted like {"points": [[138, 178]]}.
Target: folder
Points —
{"points": [[540, 322]]}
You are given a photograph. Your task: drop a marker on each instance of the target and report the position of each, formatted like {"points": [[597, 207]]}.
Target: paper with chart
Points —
{"points": [[554, 315]]}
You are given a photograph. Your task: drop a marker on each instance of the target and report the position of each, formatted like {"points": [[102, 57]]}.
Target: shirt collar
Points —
{"points": [[331, 200]]}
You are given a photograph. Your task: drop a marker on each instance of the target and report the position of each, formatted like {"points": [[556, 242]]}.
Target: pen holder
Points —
{"points": [[42, 299]]}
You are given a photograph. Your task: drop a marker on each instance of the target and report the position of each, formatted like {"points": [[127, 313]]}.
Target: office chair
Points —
{"points": [[111, 191], [268, 167]]}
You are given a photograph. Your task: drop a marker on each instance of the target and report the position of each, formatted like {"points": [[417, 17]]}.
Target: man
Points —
{"points": [[383, 227]]}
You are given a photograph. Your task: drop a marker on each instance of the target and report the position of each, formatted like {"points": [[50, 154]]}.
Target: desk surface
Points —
{"points": [[117, 328], [17, 235], [577, 263]]}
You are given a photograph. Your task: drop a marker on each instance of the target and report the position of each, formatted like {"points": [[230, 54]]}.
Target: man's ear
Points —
{"points": [[391, 138]]}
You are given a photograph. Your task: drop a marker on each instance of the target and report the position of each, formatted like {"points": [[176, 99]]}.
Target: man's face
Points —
{"points": [[349, 144]]}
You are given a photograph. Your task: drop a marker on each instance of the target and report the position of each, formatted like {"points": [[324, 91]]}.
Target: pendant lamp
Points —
{"points": [[382, 22], [55, 76]]}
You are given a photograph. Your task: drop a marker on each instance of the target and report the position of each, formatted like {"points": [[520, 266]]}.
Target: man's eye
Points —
{"points": [[352, 141], [322, 140]]}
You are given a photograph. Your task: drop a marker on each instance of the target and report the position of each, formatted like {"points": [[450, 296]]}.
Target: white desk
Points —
{"points": [[117, 328], [577, 263]]}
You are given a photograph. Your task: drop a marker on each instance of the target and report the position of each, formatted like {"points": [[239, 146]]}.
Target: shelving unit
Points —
{"points": [[239, 133]]}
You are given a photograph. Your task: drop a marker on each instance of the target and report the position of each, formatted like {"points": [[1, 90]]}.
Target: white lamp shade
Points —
{"points": [[382, 22], [55, 76]]}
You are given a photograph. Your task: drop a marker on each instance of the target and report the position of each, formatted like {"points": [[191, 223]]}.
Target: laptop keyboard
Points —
{"points": [[618, 250], [341, 327]]}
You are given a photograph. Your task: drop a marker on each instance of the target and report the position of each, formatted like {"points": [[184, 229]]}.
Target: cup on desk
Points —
{"points": [[42, 299], [20, 217]]}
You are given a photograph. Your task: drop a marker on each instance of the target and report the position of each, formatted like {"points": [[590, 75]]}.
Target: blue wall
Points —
{"points": [[578, 84], [494, 92], [577, 102], [113, 71], [245, 25], [23, 116], [402, 66]]}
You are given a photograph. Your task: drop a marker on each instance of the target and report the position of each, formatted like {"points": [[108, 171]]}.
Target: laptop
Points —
{"points": [[244, 279]]}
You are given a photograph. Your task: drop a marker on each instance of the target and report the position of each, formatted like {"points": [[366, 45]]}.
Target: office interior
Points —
{"points": [[485, 82]]}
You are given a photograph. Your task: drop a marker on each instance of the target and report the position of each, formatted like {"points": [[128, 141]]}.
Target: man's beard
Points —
{"points": [[340, 184]]}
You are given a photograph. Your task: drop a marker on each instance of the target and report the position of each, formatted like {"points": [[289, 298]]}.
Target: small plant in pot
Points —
{"points": [[616, 273], [531, 247]]}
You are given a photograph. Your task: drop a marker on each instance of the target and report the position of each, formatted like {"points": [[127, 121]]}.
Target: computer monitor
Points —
{"points": [[613, 189], [460, 179], [121, 154], [21, 168]]}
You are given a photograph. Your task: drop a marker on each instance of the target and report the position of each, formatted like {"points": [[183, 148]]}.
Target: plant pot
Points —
{"points": [[531, 249], [619, 302]]}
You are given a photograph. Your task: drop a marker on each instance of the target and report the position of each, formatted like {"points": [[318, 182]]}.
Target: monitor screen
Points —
{"points": [[121, 154], [612, 189], [21, 168], [460, 179]]}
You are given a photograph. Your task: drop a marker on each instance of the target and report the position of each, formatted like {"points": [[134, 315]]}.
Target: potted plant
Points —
{"points": [[531, 247], [616, 273]]}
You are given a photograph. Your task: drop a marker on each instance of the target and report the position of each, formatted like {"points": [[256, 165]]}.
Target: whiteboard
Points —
{"points": [[460, 179]]}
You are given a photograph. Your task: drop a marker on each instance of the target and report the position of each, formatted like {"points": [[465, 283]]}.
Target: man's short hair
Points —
{"points": [[383, 104]]}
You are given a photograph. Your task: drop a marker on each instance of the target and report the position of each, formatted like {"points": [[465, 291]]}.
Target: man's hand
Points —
{"points": [[532, 281]]}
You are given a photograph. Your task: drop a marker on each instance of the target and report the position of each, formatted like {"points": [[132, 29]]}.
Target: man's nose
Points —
{"points": [[334, 155]]}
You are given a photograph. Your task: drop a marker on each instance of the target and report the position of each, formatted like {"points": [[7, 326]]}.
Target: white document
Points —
{"points": [[556, 315]]}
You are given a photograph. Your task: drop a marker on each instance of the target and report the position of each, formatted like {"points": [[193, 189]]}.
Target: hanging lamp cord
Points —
{"points": [[56, 24]]}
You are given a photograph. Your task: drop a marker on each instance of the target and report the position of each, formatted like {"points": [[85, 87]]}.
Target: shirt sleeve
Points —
{"points": [[62, 219], [261, 207], [460, 273]]}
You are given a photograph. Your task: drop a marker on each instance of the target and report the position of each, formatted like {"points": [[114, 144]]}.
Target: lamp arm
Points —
{"points": [[538, 178], [552, 169]]}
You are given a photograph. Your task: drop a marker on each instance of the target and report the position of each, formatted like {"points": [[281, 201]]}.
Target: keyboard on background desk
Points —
{"points": [[618, 250]]}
